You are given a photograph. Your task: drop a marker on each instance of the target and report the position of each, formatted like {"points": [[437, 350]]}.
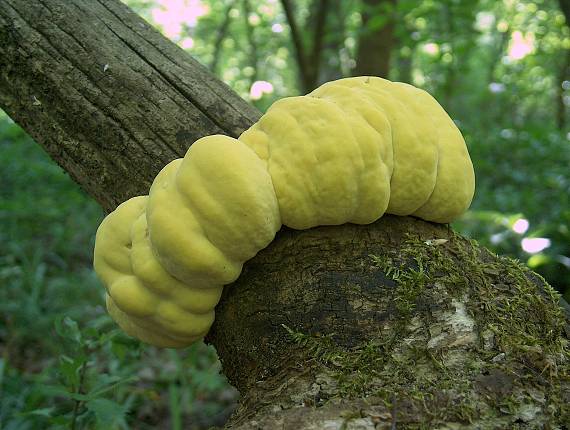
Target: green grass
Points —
{"points": [[63, 362]]}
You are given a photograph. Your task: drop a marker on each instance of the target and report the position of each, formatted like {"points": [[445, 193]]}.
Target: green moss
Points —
{"points": [[409, 283], [519, 313]]}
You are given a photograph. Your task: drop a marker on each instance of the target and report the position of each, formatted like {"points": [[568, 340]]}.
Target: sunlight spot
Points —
{"points": [[507, 133], [535, 244], [542, 15], [431, 48], [253, 19], [496, 87], [520, 45], [484, 21], [187, 43], [350, 42], [268, 10], [421, 23], [418, 78], [563, 260], [172, 15], [497, 238], [502, 26], [520, 226], [230, 74], [259, 88], [279, 63], [276, 28], [446, 58]]}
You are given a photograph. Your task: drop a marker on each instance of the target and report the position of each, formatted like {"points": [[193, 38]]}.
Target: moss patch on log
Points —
{"points": [[475, 338]]}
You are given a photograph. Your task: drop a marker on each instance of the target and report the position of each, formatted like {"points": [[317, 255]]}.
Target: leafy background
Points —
{"points": [[500, 68]]}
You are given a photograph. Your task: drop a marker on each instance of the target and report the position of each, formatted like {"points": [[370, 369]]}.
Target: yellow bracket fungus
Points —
{"points": [[350, 151]]}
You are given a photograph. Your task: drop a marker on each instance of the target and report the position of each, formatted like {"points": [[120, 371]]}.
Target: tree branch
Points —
{"points": [[91, 81], [297, 40], [564, 73], [308, 65], [317, 48]]}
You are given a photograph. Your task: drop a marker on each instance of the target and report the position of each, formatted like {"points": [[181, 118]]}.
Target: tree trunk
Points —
{"points": [[563, 78], [108, 97], [399, 324], [564, 74], [220, 36], [308, 60], [376, 40]]}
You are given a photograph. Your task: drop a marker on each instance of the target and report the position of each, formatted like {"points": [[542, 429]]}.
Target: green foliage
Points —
{"points": [[523, 174], [63, 362]]}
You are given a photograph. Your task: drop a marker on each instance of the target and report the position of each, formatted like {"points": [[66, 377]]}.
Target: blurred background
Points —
{"points": [[501, 68]]}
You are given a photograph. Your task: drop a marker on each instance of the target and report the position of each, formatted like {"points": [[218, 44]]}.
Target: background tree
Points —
{"points": [[309, 58], [376, 39]]}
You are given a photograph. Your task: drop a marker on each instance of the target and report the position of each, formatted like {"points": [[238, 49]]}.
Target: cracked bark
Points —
{"points": [[108, 97], [449, 363], [113, 101]]}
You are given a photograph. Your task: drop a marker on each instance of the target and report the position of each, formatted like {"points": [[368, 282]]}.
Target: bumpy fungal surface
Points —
{"points": [[350, 151], [144, 299]]}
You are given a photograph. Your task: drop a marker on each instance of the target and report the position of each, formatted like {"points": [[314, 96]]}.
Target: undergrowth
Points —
{"points": [[63, 362]]}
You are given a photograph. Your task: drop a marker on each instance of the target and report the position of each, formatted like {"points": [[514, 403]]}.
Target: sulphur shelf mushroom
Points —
{"points": [[350, 151]]}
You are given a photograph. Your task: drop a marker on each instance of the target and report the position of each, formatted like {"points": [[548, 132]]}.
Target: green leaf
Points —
{"points": [[60, 391], [119, 349], [109, 383], [377, 22], [68, 329], [107, 412], [69, 368], [44, 412]]}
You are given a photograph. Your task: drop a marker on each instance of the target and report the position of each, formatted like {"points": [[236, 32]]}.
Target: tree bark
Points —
{"points": [[565, 8], [563, 77], [375, 44], [399, 324], [564, 74], [333, 45], [109, 98]]}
